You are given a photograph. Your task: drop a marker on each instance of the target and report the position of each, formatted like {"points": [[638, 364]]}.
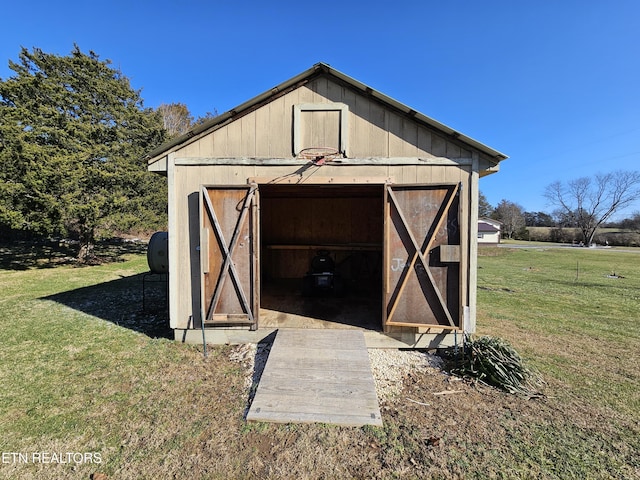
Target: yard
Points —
{"points": [[91, 385]]}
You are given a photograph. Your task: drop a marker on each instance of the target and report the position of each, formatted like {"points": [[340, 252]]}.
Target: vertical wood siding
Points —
{"points": [[184, 210], [374, 131]]}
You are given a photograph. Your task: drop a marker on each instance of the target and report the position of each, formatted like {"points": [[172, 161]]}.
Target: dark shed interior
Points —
{"points": [[343, 224]]}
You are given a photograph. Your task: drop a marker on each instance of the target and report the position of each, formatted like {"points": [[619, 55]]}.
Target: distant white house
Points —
{"points": [[489, 231]]}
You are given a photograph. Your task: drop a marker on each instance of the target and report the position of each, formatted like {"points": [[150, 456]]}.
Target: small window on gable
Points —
{"points": [[320, 125]]}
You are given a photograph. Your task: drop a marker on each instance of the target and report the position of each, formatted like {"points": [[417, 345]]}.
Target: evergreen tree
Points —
{"points": [[72, 137], [484, 207], [538, 219]]}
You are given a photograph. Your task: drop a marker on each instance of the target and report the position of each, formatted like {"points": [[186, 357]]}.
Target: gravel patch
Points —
{"points": [[252, 359], [389, 366]]}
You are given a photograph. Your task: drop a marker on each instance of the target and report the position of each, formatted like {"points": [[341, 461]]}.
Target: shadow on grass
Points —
{"points": [[24, 255], [19, 255], [137, 302]]}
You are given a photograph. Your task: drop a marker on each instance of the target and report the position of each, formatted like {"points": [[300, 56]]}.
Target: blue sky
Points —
{"points": [[554, 84]]}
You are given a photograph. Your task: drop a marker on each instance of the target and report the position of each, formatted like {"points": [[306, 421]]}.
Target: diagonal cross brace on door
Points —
{"points": [[419, 253], [227, 252]]}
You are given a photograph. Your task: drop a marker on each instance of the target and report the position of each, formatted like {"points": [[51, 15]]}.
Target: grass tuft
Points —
{"points": [[493, 361]]}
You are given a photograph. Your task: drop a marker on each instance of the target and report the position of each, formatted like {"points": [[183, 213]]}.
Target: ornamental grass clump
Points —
{"points": [[495, 362]]}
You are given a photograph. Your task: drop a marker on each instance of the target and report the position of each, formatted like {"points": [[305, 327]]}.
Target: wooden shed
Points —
{"points": [[323, 165]]}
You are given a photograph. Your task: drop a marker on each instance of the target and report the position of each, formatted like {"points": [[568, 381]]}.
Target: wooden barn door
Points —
{"points": [[228, 254], [422, 256]]}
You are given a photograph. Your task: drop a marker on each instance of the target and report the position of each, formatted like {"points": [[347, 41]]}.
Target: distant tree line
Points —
{"points": [[73, 136], [582, 207]]}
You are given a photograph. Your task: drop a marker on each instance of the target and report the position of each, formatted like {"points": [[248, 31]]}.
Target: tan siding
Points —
{"points": [[189, 178], [373, 130], [342, 94], [305, 95], [191, 150], [395, 135], [424, 142], [219, 138], [206, 146], [335, 93], [366, 118], [441, 175], [249, 133], [465, 232], [353, 173], [264, 129], [424, 175], [320, 88], [409, 174], [227, 176], [182, 301], [280, 143], [360, 127], [378, 135], [438, 146], [453, 151], [274, 172], [409, 135], [234, 139]]}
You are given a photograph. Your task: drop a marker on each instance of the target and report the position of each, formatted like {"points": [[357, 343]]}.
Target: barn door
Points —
{"points": [[228, 249], [422, 256]]}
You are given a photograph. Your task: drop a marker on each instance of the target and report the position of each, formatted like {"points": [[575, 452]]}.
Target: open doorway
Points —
{"points": [[321, 256]]}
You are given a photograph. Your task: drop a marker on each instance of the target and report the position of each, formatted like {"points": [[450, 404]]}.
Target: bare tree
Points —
{"points": [[176, 117], [206, 117], [511, 215], [589, 202]]}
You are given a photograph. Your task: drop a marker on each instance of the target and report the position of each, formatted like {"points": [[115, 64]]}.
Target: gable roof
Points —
{"points": [[317, 70], [488, 225], [485, 227]]}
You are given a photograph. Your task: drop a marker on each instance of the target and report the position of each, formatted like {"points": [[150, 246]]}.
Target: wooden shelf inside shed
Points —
{"points": [[352, 247]]}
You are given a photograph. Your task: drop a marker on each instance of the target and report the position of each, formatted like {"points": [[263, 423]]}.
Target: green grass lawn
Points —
{"points": [[72, 368], [83, 369], [574, 312]]}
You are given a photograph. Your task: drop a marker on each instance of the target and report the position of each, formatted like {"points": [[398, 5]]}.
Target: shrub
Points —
{"points": [[495, 362]]}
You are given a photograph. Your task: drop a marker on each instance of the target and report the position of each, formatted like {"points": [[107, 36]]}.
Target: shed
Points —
{"points": [[489, 231], [323, 164]]}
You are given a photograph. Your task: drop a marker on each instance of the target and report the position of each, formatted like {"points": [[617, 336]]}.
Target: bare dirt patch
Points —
{"points": [[435, 425]]}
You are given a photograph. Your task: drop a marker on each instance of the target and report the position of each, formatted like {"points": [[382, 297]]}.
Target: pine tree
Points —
{"points": [[72, 136]]}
